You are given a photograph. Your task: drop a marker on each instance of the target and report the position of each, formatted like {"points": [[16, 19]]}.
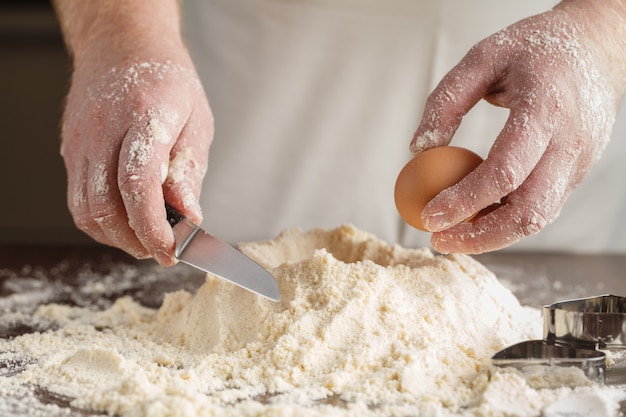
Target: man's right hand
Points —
{"points": [[137, 124]]}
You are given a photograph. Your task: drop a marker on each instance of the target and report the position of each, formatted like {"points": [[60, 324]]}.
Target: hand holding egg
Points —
{"points": [[562, 79]]}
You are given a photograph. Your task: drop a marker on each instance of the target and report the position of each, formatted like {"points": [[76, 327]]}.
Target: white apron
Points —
{"points": [[315, 102]]}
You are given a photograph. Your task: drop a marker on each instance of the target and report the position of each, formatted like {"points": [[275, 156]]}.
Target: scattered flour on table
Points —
{"points": [[363, 329]]}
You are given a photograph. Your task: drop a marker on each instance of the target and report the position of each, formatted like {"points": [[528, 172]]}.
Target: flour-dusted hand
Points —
{"points": [[561, 74], [137, 125]]}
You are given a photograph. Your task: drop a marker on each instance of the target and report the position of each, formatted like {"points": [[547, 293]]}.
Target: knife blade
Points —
{"points": [[197, 248]]}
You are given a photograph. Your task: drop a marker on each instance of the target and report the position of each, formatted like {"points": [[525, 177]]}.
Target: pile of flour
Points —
{"points": [[363, 329]]}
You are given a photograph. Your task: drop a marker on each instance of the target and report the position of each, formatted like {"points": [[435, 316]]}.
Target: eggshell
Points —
{"points": [[426, 175]]}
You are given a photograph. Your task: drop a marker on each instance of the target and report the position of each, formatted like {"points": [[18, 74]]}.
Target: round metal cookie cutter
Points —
{"points": [[574, 334], [528, 356]]}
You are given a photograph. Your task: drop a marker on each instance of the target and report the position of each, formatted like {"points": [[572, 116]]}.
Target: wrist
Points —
{"points": [[604, 23], [97, 31]]}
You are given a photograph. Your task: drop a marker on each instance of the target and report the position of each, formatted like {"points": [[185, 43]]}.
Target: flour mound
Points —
{"points": [[363, 329], [358, 319]]}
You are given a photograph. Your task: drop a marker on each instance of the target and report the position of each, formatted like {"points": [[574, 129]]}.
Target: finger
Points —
{"points": [[526, 211], [77, 169], [454, 96], [514, 154], [143, 160], [188, 165], [77, 199], [106, 207]]}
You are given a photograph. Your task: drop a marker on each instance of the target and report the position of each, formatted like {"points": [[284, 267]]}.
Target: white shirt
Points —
{"points": [[315, 103]]}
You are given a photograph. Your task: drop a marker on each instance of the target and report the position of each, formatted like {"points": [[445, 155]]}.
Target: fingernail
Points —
{"points": [[440, 245], [435, 222], [164, 258]]}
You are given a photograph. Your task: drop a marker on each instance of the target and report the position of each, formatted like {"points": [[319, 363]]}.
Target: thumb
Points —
{"points": [[186, 170]]}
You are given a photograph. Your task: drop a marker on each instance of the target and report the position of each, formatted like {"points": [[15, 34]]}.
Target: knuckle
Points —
{"points": [[103, 213], [479, 53], [532, 222], [506, 176], [132, 190], [128, 180], [531, 218], [100, 181]]}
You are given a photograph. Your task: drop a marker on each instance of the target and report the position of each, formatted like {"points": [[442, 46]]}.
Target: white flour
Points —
{"points": [[363, 329]]}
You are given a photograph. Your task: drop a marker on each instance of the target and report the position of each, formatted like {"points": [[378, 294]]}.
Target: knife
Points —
{"points": [[204, 251]]}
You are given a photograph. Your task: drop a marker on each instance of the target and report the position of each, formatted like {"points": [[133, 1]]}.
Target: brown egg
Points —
{"points": [[426, 175]]}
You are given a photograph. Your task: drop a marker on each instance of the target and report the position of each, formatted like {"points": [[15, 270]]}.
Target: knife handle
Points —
{"points": [[173, 216]]}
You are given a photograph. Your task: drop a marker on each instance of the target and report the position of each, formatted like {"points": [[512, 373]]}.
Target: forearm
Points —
{"points": [[598, 11], [92, 27], [605, 21]]}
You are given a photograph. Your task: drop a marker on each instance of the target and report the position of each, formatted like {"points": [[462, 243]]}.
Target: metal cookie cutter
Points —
{"points": [[591, 323], [574, 331], [533, 355]]}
